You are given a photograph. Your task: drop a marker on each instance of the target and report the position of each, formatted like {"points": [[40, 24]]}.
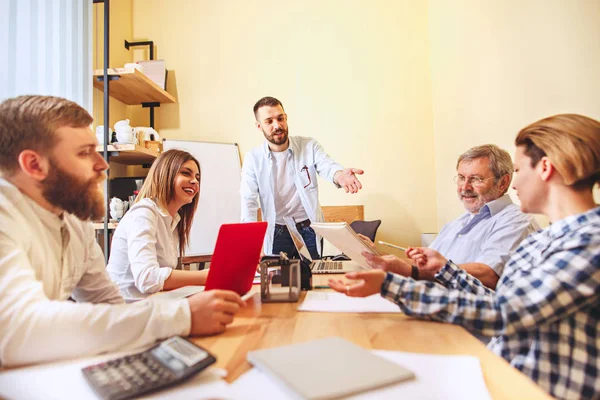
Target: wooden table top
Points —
{"points": [[260, 326]]}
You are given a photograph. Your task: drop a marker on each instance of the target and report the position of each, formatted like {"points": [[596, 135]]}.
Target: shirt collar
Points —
{"points": [[48, 218], [574, 222], [495, 206], [165, 214], [268, 151]]}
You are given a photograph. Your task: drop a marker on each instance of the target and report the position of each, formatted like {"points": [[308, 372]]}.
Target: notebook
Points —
{"points": [[342, 236], [329, 368], [317, 266], [236, 257]]}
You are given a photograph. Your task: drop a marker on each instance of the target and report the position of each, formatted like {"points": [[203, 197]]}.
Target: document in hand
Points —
{"points": [[327, 368], [344, 238]]}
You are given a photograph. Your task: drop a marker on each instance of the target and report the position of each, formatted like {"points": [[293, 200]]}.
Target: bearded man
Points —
{"points": [[283, 174], [50, 188], [480, 240]]}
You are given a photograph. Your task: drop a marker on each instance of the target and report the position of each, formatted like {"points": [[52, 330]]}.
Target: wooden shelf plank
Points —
{"points": [[99, 226], [129, 153], [133, 87]]}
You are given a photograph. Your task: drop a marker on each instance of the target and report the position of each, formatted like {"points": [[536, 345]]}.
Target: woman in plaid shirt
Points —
{"points": [[544, 315]]}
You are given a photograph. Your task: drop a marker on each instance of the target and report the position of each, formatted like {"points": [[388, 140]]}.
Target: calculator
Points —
{"points": [[168, 363]]}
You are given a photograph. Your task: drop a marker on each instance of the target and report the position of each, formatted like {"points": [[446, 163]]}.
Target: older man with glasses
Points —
{"points": [[480, 240]]}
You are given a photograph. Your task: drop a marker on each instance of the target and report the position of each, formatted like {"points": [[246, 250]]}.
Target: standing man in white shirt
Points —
{"points": [[50, 187], [283, 174]]}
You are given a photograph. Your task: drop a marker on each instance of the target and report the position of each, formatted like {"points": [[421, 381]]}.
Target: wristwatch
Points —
{"points": [[414, 273]]}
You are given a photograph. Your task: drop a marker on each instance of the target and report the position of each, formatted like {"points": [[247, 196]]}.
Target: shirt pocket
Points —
{"points": [[308, 178]]}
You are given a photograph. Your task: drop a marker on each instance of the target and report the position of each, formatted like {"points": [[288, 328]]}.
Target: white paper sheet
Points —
{"points": [[338, 302], [179, 293], [438, 377], [65, 381]]}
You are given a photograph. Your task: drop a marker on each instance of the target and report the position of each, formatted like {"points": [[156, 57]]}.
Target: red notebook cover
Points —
{"points": [[236, 256]]}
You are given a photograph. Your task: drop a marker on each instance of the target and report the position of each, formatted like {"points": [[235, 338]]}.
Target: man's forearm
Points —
{"points": [[483, 272]]}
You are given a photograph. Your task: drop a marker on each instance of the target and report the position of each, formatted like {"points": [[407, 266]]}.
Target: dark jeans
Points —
{"points": [[282, 241]]}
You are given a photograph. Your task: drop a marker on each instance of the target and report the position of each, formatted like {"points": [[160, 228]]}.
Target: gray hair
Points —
{"points": [[500, 162]]}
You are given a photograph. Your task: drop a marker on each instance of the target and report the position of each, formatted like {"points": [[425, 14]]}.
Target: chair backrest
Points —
{"points": [[337, 213], [367, 228]]}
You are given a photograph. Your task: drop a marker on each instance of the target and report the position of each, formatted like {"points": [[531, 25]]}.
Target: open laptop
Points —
{"points": [[317, 266]]}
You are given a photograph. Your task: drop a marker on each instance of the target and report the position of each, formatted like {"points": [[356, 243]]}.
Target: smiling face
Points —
{"points": [[273, 123], [474, 195], [187, 183]]}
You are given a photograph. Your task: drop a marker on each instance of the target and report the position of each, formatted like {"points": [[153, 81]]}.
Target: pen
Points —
{"points": [[322, 287], [392, 245]]}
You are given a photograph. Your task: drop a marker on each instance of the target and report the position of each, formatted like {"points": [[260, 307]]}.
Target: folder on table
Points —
{"points": [[327, 368]]}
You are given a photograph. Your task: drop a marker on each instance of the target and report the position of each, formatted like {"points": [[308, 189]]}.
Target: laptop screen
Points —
{"points": [[297, 239]]}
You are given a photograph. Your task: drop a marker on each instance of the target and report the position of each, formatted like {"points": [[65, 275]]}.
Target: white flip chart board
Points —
{"points": [[219, 202]]}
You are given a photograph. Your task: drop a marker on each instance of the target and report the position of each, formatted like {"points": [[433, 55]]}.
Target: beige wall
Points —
{"points": [[497, 66], [352, 74]]}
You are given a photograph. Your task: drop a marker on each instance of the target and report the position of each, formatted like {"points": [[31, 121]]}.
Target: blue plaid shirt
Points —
{"points": [[545, 313]]}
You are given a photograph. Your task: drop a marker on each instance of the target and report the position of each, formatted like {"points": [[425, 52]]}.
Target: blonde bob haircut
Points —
{"points": [[159, 186], [571, 142]]}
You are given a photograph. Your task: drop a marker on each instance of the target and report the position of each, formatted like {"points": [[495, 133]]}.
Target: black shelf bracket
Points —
{"points": [[110, 78], [145, 43], [151, 106], [150, 44]]}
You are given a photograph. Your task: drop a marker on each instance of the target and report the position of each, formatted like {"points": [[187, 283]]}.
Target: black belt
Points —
{"points": [[299, 225]]}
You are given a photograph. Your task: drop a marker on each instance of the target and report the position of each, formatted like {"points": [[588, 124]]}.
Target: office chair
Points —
{"points": [[366, 228]]}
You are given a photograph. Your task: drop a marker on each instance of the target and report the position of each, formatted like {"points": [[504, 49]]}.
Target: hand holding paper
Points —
{"points": [[344, 238], [428, 260], [389, 263]]}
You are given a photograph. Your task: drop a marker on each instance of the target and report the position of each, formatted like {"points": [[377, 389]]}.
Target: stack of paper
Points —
{"points": [[338, 302], [437, 377], [342, 236], [156, 71]]}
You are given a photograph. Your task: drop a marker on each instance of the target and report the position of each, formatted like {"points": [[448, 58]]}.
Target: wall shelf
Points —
{"points": [[100, 225], [132, 87], [129, 154]]}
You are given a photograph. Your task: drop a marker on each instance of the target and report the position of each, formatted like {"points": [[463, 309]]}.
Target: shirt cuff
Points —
{"points": [[392, 286], [337, 185], [448, 275], [186, 318], [164, 274]]}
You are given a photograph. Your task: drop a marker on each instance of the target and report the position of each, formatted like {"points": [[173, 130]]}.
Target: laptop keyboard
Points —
{"points": [[321, 267]]}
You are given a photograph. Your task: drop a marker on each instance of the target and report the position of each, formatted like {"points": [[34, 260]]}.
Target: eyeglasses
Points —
{"points": [[474, 181]]}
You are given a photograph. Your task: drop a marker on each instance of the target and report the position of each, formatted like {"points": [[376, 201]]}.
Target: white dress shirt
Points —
{"points": [[44, 260], [308, 159], [144, 250]]}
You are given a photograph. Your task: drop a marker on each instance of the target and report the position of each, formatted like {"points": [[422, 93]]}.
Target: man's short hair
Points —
{"points": [[571, 142], [266, 101], [499, 160], [30, 122]]}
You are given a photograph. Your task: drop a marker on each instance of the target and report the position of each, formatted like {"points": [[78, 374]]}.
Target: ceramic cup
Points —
{"points": [[100, 134], [124, 123], [125, 135]]}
